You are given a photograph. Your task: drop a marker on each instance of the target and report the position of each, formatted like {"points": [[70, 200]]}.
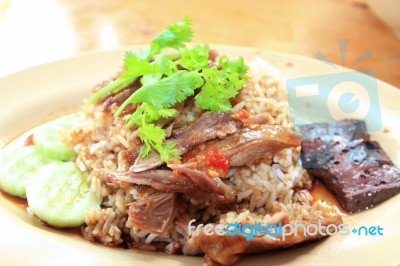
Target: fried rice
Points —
{"points": [[267, 191]]}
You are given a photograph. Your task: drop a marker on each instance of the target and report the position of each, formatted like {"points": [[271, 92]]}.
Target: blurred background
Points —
{"points": [[36, 32]]}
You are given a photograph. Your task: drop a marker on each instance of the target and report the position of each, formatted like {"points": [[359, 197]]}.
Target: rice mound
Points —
{"points": [[273, 189]]}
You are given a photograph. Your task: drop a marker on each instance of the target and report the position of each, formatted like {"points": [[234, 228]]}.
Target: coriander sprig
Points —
{"points": [[169, 77]]}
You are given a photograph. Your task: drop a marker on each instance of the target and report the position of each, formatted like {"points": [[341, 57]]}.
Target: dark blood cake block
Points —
{"points": [[353, 167]]}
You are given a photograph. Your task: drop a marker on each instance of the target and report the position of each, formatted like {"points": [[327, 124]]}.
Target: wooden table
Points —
{"points": [[35, 32]]}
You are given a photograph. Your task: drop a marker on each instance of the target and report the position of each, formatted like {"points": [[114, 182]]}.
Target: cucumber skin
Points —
{"points": [[56, 152], [61, 195], [48, 140], [57, 191], [17, 167]]}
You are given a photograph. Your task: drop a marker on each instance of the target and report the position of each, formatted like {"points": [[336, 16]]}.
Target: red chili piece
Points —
{"points": [[243, 115], [215, 159]]}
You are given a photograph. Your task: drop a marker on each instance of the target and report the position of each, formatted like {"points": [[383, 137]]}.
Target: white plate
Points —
{"points": [[44, 92]]}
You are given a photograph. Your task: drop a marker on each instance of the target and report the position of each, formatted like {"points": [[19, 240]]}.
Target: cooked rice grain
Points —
{"points": [[269, 191]]}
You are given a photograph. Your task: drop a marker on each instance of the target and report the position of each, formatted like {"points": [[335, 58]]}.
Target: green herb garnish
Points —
{"points": [[169, 73]]}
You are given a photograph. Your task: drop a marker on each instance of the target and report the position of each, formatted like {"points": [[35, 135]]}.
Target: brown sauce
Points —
{"points": [[320, 192], [20, 202], [23, 204], [26, 139]]}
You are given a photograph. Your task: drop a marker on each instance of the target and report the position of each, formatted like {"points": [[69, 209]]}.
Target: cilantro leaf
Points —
{"points": [[213, 95], [146, 113], [114, 86], [168, 151], [174, 36], [134, 67], [166, 66], [233, 66], [153, 137], [169, 90], [165, 92], [194, 58], [168, 77], [220, 85]]}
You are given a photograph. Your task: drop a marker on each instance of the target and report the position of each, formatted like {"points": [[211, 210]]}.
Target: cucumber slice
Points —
{"points": [[60, 195], [48, 138], [17, 166]]}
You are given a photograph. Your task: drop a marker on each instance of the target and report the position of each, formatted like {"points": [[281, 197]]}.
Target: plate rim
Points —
{"points": [[217, 46]]}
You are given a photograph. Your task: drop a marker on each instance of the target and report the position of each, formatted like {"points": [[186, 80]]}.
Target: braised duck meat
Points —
{"points": [[249, 145], [154, 214], [196, 184], [226, 249], [244, 147], [209, 126], [195, 178]]}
